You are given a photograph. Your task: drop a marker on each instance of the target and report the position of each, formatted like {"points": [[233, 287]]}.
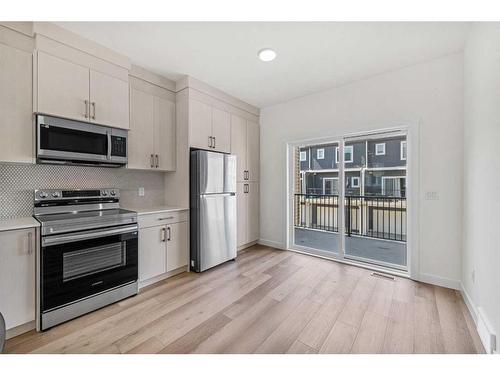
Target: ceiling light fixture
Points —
{"points": [[267, 54]]}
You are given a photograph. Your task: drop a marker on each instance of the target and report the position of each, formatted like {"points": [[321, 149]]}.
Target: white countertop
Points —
{"points": [[155, 209], [18, 223]]}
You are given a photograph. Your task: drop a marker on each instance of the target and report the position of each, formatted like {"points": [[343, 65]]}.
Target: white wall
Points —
{"points": [[430, 93], [481, 250]]}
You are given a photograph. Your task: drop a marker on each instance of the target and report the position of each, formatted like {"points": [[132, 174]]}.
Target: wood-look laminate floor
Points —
{"points": [[270, 301]]}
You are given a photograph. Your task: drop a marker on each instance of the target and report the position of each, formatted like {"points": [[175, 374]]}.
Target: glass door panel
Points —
{"points": [[316, 198], [375, 199]]}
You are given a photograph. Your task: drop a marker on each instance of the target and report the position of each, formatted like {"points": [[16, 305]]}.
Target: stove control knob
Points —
{"points": [[104, 193], [56, 194], [112, 192], [43, 195]]}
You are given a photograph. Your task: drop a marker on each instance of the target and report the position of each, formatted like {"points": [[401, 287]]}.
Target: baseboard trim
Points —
{"points": [[469, 303], [277, 245], [439, 281], [246, 246], [156, 279], [486, 332], [19, 330]]}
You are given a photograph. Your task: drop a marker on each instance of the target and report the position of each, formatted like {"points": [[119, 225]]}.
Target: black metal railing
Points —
{"points": [[317, 211], [369, 216]]}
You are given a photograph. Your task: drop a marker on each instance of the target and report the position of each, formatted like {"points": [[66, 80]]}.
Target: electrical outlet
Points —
{"points": [[141, 192], [432, 195]]}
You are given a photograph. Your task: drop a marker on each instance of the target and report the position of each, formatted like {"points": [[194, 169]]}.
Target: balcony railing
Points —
{"points": [[369, 216]]}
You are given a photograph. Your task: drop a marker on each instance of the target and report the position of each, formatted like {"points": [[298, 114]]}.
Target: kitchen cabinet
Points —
{"points": [[221, 130], [245, 145], [109, 100], [16, 108], [17, 276], [152, 132], [209, 127], [74, 91], [163, 245], [247, 206], [141, 133], [164, 134], [152, 254], [177, 245]]}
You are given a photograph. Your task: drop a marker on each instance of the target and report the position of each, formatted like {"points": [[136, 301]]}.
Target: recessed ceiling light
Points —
{"points": [[267, 54]]}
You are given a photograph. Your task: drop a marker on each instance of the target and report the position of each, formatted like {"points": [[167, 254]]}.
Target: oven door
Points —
{"points": [[79, 265]]}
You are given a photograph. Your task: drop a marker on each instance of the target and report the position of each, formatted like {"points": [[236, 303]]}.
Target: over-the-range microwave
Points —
{"points": [[63, 141]]}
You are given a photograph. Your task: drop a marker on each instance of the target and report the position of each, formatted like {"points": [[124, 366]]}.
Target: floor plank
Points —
{"points": [[270, 301]]}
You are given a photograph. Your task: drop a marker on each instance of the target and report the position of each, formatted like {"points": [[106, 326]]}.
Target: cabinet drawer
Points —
{"points": [[162, 218]]}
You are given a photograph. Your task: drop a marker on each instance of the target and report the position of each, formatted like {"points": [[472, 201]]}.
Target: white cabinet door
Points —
{"points": [[252, 212], [253, 150], [63, 88], [241, 214], [239, 145], [141, 134], [17, 276], [152, 252], [221, 130], [16, 108], [109, 100], [200, 124], [177, 245], [164, 134]]}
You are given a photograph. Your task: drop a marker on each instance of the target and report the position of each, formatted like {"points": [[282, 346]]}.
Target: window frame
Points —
{"points": [[329, 179], [392, 178], [350, 147], [358, 185], [401, 150], [322, 150], [377, 153]]}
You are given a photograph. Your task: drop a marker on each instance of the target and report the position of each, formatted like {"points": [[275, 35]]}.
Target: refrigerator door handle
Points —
{"points": [[219, 194]]}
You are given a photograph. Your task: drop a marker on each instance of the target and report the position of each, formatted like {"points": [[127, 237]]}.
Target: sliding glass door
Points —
{"points": [[350, 199]]}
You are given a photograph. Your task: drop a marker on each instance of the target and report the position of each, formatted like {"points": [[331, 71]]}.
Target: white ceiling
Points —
{"points": [[311, 56]]}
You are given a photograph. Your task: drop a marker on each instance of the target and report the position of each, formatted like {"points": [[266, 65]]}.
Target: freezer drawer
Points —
{"points": [[215, 237]]}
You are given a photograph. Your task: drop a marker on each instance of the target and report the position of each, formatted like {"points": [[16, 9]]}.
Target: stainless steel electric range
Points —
{"points": [[87, 256]]}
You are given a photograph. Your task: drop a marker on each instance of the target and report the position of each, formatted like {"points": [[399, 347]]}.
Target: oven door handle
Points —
{"points": [[55, 240]]}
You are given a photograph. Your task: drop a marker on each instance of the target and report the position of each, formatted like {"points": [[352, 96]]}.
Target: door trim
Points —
{"points": [[412, 129]]}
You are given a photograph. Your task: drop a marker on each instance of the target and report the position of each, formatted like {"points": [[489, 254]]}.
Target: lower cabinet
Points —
{"points": [[247, 198], [17, 276], [162, 250]]}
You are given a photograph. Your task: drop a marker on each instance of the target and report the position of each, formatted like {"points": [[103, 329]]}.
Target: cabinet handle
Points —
{"points": [[152, 161], [30, 243], [86, 115], [168, 235], [163, 235], [214, 141], [166, 218], [157, 161], [93, 110], [210, 141]]}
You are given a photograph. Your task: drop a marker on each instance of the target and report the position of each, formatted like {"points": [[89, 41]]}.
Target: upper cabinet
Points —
{"points": [[70, 90], [16, 88], [109, 100], [152, 142], [245, 145], [209, 127]]}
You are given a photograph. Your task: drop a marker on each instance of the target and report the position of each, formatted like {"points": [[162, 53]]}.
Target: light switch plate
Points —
{"points": [[141, 192]]}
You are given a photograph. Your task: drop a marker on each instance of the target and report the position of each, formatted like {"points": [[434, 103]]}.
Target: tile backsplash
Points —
{"points": [[17, 182]]}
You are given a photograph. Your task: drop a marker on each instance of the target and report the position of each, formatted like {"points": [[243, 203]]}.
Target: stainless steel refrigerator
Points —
{"points": [[213, 209]]}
